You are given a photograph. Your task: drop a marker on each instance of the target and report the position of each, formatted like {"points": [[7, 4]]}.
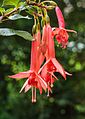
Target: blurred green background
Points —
{"points": [[68, 98]]}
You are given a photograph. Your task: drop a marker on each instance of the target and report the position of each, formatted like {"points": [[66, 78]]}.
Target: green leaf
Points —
{"points": [[7, 32], [18, 16], [24, 34], [21, 4], [8, 10], [2, 10], [10, 2], [10, 32]]}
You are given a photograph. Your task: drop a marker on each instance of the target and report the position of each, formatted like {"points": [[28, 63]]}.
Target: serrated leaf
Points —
{"points": [[10, 32], [10, 2], [18, 16]]}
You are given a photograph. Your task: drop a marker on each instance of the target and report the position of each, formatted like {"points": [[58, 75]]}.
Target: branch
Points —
{"points": [[15, 10], [8, 14]]}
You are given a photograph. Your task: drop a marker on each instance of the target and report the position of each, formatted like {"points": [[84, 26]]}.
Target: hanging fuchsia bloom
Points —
{"points": [[34, 80], [61, 33], [41, 76], [50, 55], [51, 65]]}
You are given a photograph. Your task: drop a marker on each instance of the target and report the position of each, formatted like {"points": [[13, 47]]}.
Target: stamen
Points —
{"points": [[33, 94], [71, 31], [51, 84], [68, 73], [48, 93]]}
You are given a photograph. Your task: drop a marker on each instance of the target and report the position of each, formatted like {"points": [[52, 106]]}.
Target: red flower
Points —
{"points": [[51, 65], [43, 49], [61, 33], [61, 36], [34, 80]]}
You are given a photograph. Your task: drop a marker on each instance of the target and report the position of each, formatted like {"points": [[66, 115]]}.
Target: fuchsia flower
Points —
{"points": [[44, 49], [34, 80], [61, 33], [51, 62], [51, 65]]}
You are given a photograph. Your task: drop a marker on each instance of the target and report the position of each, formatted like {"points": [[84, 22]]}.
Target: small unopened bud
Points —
{"points": [[49, 3], [53, 3], [47, 19], [43, 22], [50, 7], [34, 29], [38, 26]]}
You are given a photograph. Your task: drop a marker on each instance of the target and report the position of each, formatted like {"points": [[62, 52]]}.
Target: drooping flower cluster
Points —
{"points": [[41, 74]]}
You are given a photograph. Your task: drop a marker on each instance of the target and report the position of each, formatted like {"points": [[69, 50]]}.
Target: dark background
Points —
{"points": [[68, 98]]}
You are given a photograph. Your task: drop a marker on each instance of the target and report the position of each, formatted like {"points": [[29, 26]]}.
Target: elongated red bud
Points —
{"points": [[60, 17]]}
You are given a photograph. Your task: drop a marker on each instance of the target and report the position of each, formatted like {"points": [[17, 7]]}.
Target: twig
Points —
{"points": [[3, 17], [8, 14]]}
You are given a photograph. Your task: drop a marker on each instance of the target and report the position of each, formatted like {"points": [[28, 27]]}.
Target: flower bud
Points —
{"points": [[34, 29], [47, 19]]}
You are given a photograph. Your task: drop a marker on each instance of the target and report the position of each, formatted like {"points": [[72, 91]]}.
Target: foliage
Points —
{"points": [[68, 97], [10, 32]]}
